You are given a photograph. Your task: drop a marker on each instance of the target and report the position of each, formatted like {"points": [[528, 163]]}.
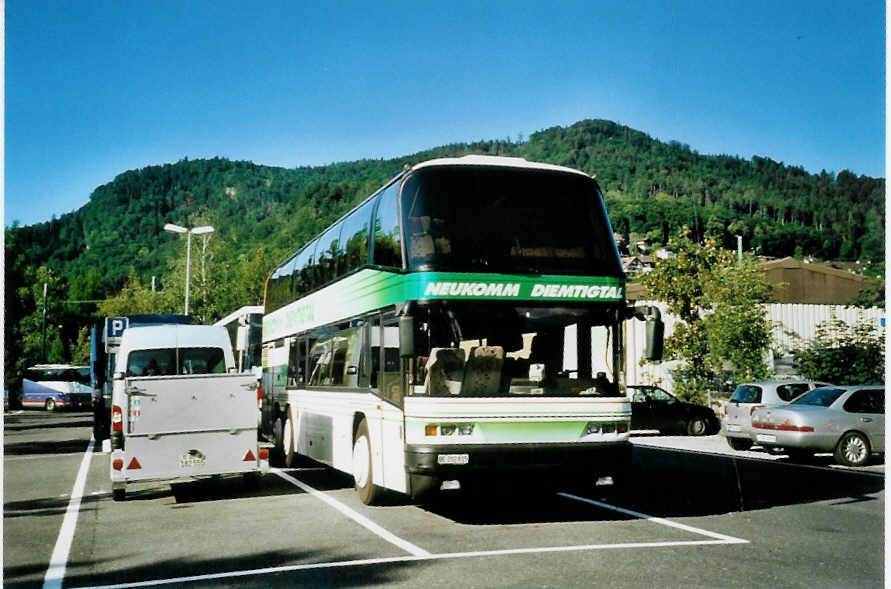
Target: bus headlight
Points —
{"points": [[448, 429]]}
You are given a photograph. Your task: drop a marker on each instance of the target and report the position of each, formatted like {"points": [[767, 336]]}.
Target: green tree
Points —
{"points": [[844, 354], [720, 324]]}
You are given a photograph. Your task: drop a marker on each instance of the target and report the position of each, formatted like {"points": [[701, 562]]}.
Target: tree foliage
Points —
{"points": [[844, 354], [721, 327]]}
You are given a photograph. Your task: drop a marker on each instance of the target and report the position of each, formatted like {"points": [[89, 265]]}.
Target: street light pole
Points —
{"points": [[171, 228]]}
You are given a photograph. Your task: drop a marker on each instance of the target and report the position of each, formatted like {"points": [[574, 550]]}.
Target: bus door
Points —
{"points": [[392, 421]]}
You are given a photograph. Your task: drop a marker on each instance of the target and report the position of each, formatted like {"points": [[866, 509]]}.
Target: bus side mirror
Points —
{"points": [[406, 336], [655, 340]]}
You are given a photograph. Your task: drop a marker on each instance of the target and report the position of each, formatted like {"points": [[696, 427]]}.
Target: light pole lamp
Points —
{"points": [[171, 228]]}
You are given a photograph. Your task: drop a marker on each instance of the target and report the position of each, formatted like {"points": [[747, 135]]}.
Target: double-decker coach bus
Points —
{"points": [[420, 342]]}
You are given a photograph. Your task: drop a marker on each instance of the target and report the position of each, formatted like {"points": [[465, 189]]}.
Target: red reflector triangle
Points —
{"points": [[134, 464], [248, 457]]}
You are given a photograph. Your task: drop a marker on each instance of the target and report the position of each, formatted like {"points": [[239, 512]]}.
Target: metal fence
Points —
{"points": [[793, 324]]}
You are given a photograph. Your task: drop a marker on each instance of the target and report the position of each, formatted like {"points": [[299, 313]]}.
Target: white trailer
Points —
{"points": [[180, 411]]}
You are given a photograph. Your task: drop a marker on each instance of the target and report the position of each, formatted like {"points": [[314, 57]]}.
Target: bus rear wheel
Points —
{"points": [[362, 469]]}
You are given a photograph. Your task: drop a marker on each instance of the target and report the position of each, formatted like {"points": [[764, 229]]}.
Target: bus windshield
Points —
{"points": [[508, 221]]}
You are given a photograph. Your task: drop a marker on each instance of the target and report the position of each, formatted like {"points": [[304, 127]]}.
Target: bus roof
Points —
{"points": [[495, 161], [240, 312]]}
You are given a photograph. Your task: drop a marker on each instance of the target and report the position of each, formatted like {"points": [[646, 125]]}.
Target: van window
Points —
{"points": [[170, 361], [151, 362], [201, 361]]}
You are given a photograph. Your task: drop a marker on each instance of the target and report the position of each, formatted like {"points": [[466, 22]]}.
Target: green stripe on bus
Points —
{"points": [[371, 289]]}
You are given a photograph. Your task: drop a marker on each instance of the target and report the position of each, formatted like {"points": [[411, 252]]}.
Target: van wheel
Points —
{"points": [[362, 469], [288, 440], [119, 494], [50, 404]]}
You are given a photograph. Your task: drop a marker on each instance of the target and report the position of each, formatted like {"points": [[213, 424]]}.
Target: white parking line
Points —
{"points": [[658, 520], [357, 517], [59, 560], [717, 539]]}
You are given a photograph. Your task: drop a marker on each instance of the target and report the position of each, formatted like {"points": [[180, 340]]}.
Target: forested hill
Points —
{"points": [[262, 213]]}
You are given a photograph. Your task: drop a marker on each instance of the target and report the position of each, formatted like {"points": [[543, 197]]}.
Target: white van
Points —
{"points": [[180, 410]]}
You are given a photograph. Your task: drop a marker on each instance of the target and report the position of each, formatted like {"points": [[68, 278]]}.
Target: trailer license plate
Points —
{"points": [[766, 438], [192, 458], [453, 458]]}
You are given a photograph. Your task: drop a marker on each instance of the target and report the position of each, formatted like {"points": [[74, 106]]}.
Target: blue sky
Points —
{"points": [[97, 88]]}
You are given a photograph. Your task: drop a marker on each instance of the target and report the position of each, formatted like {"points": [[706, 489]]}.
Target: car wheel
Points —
{"points": [[362, 469], [288, 441], [852, 449], [697, 426], [739, 443], [50, 404]]}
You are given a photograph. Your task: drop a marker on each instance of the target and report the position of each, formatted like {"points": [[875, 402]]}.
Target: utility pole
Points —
{"points": [[43, 328]]}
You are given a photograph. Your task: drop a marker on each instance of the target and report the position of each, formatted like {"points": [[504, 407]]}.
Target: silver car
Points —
{"points": [[848, 421], [737, 423]]}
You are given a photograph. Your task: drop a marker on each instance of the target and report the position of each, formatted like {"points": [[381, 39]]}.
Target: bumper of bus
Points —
{"points": [[428, 466]]}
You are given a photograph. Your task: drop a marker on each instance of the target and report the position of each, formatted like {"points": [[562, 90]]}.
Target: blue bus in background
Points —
{"points": [[104, 344], [57, 386]]}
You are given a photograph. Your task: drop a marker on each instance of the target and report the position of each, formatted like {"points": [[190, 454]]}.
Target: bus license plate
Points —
{"points": [[453, 458]]}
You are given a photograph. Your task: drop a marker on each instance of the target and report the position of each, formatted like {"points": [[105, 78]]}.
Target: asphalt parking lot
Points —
{"points": [[696, 516]]}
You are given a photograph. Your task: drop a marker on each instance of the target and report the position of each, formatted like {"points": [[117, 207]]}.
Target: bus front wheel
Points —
{"points": [[362, 469]]}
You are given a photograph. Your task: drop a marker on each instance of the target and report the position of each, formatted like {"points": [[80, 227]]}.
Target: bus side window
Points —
{"points": [[320, 363], [387, 236], [297, 362]]}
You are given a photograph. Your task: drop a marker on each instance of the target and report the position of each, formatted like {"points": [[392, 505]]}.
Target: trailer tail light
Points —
{"points": [[259, 395], [117, 463], [117, 419], [264, 453]]}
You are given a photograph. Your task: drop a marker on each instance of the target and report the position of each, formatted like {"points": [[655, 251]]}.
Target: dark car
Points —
{"points": [[654, 408]]}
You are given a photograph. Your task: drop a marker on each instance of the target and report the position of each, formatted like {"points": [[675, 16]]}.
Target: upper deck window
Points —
{"points": [[506, 220]]}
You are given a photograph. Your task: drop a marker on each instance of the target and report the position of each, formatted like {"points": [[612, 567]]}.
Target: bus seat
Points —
{"points": [[482, 373], [422, 245], [445, 370]]}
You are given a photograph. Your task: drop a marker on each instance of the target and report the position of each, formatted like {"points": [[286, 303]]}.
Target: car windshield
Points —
{"points": [[746, 393], [821, 397]]}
